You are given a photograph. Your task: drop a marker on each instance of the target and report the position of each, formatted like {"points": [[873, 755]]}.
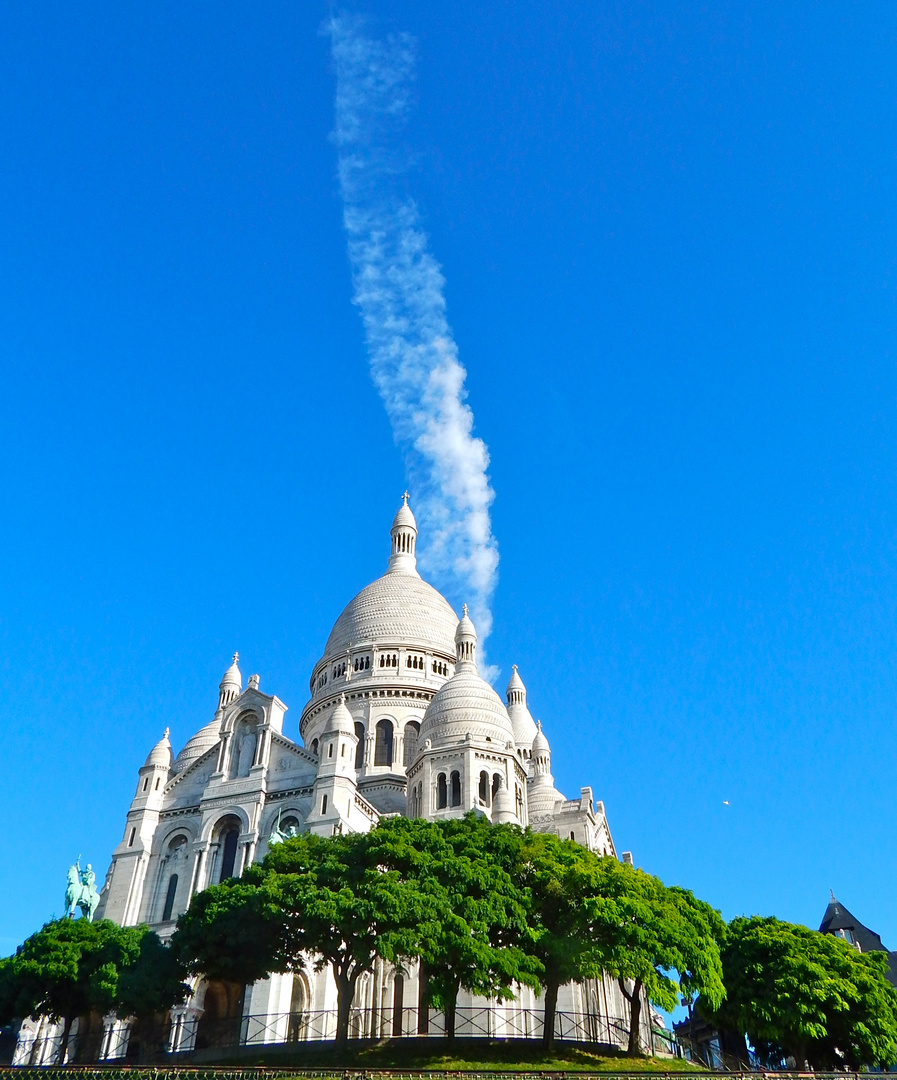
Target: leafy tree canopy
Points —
{"points": [[811, 996], [656, 938], [475, 933]]}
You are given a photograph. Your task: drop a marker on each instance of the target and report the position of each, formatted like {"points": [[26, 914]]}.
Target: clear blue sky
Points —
{"points": [[668, 237]]}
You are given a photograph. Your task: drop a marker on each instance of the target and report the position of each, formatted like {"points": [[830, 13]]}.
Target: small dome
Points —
{"points": [[232, 676], [340, 721], [160, 753], [404, 519], [466, 704], [503, 809], [466, 642], [521, 719], [202, 741], [540, 743]]}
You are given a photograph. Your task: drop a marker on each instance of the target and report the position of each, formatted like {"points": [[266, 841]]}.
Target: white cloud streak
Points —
{"points": [[399, 290]]}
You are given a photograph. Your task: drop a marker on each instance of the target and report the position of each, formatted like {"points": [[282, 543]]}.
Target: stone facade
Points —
{"points": [[398, 721]]}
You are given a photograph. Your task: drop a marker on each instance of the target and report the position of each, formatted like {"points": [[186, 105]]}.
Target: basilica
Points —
{"points": [[398, 721]]}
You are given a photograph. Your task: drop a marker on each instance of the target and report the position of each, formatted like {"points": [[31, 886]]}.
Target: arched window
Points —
{"points": [[228, 853], [456, 789], [441, 792], [169, 897], [383, 743], [484, 788], [496, 783], [359, 749], [409, 753], [314, 747]]}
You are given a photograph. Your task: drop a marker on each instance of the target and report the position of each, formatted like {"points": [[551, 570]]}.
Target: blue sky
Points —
{"points": [[667, 233]]}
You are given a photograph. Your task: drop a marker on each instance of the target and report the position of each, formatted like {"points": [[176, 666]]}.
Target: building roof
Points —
{"points": [[837, 919], [395, 608]]}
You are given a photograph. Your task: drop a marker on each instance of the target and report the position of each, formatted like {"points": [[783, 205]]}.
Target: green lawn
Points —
{"points": [[500, 1057]]}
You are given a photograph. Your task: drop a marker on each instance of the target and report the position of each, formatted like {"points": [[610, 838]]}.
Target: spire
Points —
{"points": [[402, 559], [231, 686], [522, 722], [516, 691], [466, 643]]}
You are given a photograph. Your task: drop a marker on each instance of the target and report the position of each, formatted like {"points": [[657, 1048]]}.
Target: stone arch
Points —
{"points": [[409, 750], [226, 834], [384, 740], [222, 1013]]}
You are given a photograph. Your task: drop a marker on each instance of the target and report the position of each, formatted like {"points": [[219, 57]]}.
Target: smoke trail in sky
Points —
{"points": [[399, 289]]}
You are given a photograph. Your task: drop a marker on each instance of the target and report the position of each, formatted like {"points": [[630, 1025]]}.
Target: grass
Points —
{"points": [[510, 1057]]}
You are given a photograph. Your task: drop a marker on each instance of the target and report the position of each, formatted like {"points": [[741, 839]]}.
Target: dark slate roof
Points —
{"points": [[838, 918]]}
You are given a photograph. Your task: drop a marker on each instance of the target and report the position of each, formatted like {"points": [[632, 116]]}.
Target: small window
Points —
{"points": [[330, 750], [323, 804], [456, 789], [441, 792], [158, 782], [314, 747], [131, 837], [146, 783], [572, 835], [484, 788], [342, 752]]}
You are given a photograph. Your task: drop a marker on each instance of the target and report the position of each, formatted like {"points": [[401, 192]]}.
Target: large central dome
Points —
{"points": [[397, 607]]}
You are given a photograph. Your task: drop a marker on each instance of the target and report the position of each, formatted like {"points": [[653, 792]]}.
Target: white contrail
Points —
{"points": [[399, 289]]}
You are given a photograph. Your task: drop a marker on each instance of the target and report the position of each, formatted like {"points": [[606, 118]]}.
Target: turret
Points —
{"points": [[402, 559], [231, 686], [122, 895], [466, 644], [335, 786], [503, 811], [521, 720]]}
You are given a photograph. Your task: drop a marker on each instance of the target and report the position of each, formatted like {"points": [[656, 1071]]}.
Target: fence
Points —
{"points": [[187, 1035]]}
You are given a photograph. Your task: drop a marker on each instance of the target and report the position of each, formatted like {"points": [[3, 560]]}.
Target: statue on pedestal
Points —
{"points": [[81, 891]]}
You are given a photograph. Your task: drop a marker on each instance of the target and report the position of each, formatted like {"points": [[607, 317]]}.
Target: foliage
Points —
{"points": [[648, 933], [328, 898], [561, 878], [814, 997], [475, 934], [71, 967]]}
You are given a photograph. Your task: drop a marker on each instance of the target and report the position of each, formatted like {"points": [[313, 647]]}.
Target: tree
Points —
{"points": [[649, 932], [797, 993], [70, 968], [332, 899], [561, 878], [475, 930], [150, 985]]}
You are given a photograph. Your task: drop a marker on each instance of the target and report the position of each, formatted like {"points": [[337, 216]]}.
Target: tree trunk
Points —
{"points": [[450, 1008], [635, 1015], [345, 991], [66, 1031], [549, 1014]]}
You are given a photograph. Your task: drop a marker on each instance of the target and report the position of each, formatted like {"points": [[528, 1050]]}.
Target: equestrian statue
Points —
{"points": [[81, 891]]}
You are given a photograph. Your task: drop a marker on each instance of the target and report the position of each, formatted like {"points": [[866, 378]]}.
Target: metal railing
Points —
{"points": [[187, 1036]]}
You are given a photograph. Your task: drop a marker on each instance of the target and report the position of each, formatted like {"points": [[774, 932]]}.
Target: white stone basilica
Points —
{"points": [[399, 721]]}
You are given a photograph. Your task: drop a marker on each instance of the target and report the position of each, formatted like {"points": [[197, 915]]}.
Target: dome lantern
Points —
{"points": [[402, 559], [524, 725], [466, 643], [231, 686]]}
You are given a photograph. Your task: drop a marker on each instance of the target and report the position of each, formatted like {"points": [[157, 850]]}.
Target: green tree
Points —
{"points": [[331, 899], [654, 939], [475, 930], [150, 985], [561, 878], [70, 968], [795, 992]]}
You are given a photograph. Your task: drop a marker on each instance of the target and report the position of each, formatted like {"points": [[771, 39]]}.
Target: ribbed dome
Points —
{"points": [[160, 753], [540, 743], [202, 741], [341, 719], [465, 704], [395, 608]]}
